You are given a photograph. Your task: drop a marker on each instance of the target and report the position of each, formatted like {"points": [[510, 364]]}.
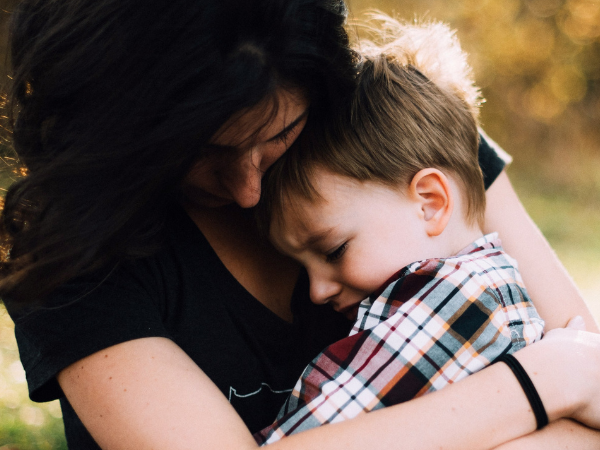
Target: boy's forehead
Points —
{"points": [[299, 224], [296, 221], [301, 219]]}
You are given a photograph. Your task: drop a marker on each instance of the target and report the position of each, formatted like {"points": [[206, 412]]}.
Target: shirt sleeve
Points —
{"points": [[492, 159], [81, 318], [430, 330]]}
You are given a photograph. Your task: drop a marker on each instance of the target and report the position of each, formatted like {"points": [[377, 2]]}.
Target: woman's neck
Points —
{"points": [[266, 274]]}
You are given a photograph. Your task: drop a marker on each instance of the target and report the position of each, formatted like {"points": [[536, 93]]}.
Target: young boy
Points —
{"points": [[392, 181]]}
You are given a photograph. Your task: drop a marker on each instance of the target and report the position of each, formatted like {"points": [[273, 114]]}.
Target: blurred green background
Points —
{"points": [[538, 64]]}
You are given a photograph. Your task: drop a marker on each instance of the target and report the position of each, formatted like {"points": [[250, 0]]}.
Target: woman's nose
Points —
{"points": [[243, 180], [322, 289]]}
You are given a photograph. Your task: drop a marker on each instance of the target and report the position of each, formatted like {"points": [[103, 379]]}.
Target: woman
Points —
{"points": [[142, 296]]}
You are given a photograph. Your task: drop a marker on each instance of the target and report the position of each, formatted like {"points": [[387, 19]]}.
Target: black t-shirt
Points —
{"points": [[183, 293]]}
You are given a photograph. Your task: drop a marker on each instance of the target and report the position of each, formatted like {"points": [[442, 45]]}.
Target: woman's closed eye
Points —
{"points": [[283, 137], [337, 253], [291, 131]]}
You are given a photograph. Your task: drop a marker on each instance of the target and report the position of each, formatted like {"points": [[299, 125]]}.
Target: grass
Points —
{"points": [[569, 222], [23, 424]]}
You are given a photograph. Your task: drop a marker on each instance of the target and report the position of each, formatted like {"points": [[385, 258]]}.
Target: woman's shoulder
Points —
{"points": [[492, 159], [126, 301]]}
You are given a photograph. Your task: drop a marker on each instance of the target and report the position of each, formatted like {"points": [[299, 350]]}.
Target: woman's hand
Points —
{"points": [[564, 367], [565, 433], [582, 367], [588, 411]]}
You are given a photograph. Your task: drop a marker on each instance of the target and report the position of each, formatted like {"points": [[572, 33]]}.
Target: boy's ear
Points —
{"points": [[432, 190]]}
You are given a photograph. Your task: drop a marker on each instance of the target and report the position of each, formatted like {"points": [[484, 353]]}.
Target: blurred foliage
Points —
{"points": [[6, 166], [538, 64], [23, 424]]}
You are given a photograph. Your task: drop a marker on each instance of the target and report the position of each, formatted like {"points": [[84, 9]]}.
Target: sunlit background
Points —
{"points": [[538, 63]]}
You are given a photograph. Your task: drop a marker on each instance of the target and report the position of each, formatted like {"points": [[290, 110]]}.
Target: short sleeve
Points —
{"points": [[492, 159], [81, 318]]}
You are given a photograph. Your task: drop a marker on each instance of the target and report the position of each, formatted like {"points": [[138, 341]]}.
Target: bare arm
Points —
{"points": [[556, 298], [485, 408], [148, 394], [554, 294], [562, 434]]}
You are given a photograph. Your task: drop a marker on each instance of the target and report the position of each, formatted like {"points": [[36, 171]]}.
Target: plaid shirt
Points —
{"points": [[434, 323]]}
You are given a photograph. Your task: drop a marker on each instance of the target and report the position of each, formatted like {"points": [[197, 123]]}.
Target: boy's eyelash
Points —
{"points": [[337, 253]]}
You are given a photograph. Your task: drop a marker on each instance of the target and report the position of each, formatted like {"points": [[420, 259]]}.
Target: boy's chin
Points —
{"points": [[351, 312]]}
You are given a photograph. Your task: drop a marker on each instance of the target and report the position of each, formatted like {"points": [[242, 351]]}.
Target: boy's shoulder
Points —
{"points": [[481, 265], [482, 268], [481, 257], [482, 276]]}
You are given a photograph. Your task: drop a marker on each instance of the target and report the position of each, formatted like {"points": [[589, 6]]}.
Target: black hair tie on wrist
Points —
{"points": [[532, 395]]}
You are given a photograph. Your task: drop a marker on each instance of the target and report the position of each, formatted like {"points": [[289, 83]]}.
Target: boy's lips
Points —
{"points": [[350, 311]]}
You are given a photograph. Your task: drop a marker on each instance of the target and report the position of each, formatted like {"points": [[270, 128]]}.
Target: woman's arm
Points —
{"points": [[562, 434], [484, 409], [554, 294], [148, 394]]}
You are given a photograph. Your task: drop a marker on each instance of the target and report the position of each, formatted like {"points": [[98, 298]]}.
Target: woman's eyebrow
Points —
{"points": [[218, 147], [290, 127]]}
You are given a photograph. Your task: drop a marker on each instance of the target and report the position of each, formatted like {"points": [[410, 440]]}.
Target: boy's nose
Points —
{"points": [[322, 290]]}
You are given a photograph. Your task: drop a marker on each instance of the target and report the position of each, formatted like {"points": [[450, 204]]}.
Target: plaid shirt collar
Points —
{"points": [[485, 242]]}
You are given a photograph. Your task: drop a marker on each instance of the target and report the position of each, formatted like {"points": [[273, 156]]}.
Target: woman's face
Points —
{"points": [[241, 151]]}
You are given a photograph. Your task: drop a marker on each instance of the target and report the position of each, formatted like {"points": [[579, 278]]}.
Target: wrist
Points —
{"points": [[535, 402], [560, 396]]}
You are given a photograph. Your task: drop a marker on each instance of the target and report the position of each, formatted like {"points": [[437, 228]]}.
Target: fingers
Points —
{"points": [[576, 323]]}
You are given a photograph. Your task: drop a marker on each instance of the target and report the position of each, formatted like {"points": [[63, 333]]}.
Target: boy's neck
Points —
{"points": [[459, 232], [457, 235]]}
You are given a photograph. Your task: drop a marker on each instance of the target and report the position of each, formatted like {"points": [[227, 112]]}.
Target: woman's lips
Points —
{"points": [[204, 198]]}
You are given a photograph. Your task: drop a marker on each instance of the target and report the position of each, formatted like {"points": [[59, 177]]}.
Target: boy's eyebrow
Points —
{"points": [[315, 238]]}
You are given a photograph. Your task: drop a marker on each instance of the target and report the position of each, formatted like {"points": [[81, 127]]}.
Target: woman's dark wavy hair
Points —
{"points": [[112, 102]]}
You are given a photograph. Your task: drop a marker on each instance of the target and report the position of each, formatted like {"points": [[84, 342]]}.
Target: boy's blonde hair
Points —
{"points": [[415, 106]]}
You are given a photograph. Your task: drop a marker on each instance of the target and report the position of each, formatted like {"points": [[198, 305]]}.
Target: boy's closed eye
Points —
{"points": [[336, 254]]}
